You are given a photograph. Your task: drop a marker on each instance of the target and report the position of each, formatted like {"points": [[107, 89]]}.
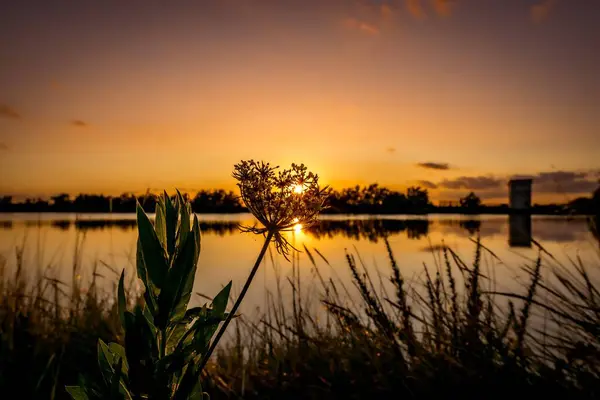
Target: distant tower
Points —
{"points": [[520, 194]]}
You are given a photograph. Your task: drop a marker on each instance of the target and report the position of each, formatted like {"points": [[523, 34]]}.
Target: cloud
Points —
{"points": [[444, 8], [415, 8], [555, 182], [361, 26], [541, 11], [565, 182], [427, 184], [386, 10], [7, 111], [472, 183], [79, 123], [391, 150], [434, 165], [4, 147]]}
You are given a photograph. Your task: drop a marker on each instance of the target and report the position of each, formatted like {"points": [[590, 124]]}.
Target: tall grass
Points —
{"points": [[452, 334], [48, 327]]}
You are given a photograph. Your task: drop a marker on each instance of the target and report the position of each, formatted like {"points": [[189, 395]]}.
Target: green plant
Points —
{"points": [[164, 341], [166, 345]]}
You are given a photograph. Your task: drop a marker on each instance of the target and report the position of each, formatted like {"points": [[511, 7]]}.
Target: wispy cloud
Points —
{"points": [[444, 7], [564, 182], [391, 150], [555, 182], [362, 26], [472, 183], [386, 10], [79, 123], [7, 111], [541, 11], [416, 9], [434, 165], [427, 184], [4, 147]]}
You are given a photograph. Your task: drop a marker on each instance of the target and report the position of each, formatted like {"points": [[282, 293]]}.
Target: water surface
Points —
{"points": [[105, 243]]}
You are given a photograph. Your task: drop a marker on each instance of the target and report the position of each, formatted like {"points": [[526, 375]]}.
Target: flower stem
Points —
{"points": [[214, 343]]}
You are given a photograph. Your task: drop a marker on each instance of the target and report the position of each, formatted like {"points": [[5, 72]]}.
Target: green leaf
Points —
{"points": [[117, 386], [194, 313], [140, 265], [116, 379], [160, 222], [196, 233], [219, 303], [141, 349], [152, 252], [184, 222], [175, 296], [119, 351], [203, 329], [189, 385], [171, 224], [105, 360], [77, 392], [147, 313], [177, 332], [122, 303], [195, 339]]}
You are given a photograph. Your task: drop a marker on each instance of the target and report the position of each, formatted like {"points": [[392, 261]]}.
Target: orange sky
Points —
{"points": [[112, 96]]}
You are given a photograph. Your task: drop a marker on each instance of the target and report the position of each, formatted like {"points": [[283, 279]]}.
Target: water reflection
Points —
{"points": [[370, 229], [53, 241], [519, 230], [472, 227], [6, 224], [219, 228]]}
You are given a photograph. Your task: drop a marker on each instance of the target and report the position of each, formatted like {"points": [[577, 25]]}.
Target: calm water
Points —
{"points": [[107, 243]]}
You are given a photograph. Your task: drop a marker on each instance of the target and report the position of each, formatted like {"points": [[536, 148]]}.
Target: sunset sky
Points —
{"points": [[454, 95]]}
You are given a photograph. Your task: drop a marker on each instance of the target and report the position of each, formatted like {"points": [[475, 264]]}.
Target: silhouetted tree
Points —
{"points": [[596, 201], [470, 201], [216, 201], [6, 203], [371, 199], [61, 202], [418, 198]]}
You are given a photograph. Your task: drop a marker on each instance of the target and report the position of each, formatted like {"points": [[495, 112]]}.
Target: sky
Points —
{"points": [[452, 95]]}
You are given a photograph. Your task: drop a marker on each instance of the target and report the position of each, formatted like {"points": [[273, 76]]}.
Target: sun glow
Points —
{"points": [[298, 189], [297, 227]]}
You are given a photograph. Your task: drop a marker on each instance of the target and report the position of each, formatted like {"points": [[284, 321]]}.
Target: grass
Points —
{"points": [[453, 334]]}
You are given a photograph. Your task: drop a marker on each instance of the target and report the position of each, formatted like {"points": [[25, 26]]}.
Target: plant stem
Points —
{"points": [[235, 307]]}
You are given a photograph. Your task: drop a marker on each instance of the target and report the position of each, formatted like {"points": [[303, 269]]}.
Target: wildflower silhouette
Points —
{"points": [[279, 200]]}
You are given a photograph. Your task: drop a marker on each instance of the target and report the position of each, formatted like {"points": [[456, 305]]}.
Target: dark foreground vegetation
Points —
{"points": [[372, 199], [451, 334]]}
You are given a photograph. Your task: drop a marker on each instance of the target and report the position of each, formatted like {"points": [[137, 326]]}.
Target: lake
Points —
{"points": [[54, 243]]}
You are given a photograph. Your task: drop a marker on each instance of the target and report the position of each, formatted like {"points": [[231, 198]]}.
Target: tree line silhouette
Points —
{"points": [[371, 199]]}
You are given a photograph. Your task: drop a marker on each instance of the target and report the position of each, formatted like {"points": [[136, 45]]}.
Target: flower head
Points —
{"points": [[280, 199]]}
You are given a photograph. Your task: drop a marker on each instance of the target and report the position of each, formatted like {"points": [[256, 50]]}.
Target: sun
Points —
{"points": [[298, 226], [298, 189]]}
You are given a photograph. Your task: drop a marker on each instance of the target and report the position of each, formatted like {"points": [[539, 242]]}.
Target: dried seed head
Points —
{"points": [[279, 199]]}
